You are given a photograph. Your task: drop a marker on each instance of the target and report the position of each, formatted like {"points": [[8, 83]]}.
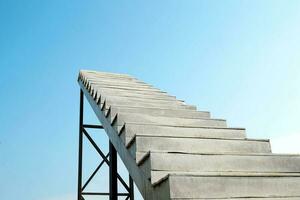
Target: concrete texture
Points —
{"points": [[173, 151], [180, 113], [143, 144], [134, 118], [157, 165], [130, 130], [219, 186]]}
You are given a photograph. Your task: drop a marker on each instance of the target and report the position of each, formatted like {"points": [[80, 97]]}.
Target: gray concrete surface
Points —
{"points": [[142, 144], [173, 151]]}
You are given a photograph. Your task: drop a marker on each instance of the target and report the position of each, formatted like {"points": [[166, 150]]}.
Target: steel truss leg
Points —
{"points": [[79, 191], [112, 163], [113, 173]]}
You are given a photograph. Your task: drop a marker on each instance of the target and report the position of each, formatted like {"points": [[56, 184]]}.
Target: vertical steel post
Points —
{"points": [[113, 165], [113, 173], [79, 190], [131, 188]]}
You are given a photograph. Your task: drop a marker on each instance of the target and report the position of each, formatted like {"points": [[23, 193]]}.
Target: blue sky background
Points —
{"points": [[238, 59]]}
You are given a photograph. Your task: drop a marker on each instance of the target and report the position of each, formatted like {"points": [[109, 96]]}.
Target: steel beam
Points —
{"points": [[79, 190], [113, 173]]}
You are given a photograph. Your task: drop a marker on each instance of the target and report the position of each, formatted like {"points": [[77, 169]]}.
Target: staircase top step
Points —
{"points": [[98, 74]]}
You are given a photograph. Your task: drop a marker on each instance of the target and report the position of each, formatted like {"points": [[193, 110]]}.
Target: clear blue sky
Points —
{"points": [[238, 59]]}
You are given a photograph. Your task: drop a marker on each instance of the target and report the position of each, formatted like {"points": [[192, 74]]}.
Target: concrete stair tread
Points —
{"points": [[188, 114], [229, 187], [226, 174], [195, 137], [162, 109], [135, 118], [110, 78], [119, 128], [147, 155], [126, 94], [110, 99], [99, 73], [150, 90], [134, 88], [147, 105], [128, 131], [157, 165], [139, 98], [96, 74], [142, 144], [121, 83], [130, 92], [127, 89]]}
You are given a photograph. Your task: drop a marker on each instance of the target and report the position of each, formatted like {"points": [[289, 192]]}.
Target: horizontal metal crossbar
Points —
{"points": [[103, 193], [92, 126]]}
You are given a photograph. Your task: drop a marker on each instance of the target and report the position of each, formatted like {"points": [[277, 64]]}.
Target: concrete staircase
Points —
{"points": [[173, 151]]}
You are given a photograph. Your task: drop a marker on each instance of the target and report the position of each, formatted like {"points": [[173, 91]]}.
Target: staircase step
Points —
{"points": [[120, 83], [228, 187], [109, 103], [113, 94], [143, 144], [179, 113], [141, 97], [137, 95], [130, 130], [172, 102], [93, 73], [133, 88], [133, 118], [131, 92], [114, 79], [157, 165]]}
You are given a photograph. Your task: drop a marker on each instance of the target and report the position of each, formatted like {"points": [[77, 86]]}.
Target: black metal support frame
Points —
{"points": [[110, 159]]}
